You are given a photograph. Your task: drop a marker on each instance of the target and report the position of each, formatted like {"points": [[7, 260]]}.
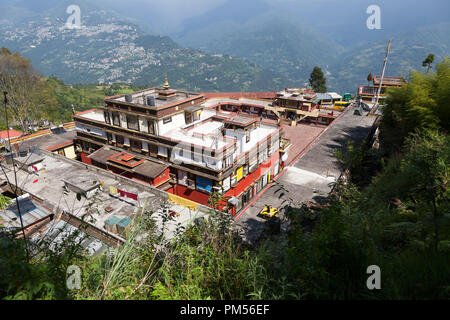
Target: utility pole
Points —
{"points": [[375, 107], [5, 94]]}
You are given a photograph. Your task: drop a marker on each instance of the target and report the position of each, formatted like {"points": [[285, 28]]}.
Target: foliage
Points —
{"points": [[421, 104], [44, 276], [361, 162], [93, 56], [207, 261], [399, 221], [428, 62], [4, 201], [20, 80]]}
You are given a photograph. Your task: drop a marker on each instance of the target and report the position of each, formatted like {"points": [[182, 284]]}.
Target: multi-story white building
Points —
{"points": [[172, 140]]}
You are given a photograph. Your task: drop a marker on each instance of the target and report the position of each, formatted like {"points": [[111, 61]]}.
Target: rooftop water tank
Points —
{"points": [[151, 101], [128, 97]]}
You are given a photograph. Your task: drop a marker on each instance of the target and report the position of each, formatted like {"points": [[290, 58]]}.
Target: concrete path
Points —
{"points": [[311, 176]]}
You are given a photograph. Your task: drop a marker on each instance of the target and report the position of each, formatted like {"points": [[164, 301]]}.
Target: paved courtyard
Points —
{"points": [[311, 176]]}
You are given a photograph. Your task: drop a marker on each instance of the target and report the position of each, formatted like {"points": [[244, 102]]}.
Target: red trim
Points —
{"points": [[60, 145], [237, 95], [163, 177], [85, 158], [190, 194]]}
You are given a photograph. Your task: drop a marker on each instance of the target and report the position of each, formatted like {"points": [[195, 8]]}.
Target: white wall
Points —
{"points": [[199, 160], [178, 120]]}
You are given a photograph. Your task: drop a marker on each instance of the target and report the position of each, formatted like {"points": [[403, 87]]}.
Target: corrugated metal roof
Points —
{"points": [[29, 212]]}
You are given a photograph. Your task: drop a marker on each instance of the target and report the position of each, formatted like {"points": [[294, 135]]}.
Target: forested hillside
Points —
{"points": [[108, 49]]}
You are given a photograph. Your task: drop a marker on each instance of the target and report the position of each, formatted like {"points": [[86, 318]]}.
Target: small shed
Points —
{"points": [[29, 162], [111, 224], [81, 184], [123, 226]]}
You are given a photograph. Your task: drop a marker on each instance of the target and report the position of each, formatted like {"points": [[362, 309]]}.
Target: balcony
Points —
{"points": [[285, 144]]}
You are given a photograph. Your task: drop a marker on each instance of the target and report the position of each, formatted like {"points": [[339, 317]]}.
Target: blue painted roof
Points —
{"points": [[124, 222], [323, 96]]}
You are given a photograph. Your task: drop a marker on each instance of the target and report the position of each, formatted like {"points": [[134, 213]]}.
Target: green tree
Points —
{"points": [[19, 78], [317, 80], [428, 62]]}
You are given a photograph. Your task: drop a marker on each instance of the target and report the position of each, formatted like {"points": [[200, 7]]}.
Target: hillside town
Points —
{"points": [[224, 155]]}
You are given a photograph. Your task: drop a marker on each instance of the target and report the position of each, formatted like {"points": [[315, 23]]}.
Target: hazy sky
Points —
{"points": [[167, 15], [161, 10]]}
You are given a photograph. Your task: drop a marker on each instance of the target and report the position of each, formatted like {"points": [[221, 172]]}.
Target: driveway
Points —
{"points": [[311, 176]]}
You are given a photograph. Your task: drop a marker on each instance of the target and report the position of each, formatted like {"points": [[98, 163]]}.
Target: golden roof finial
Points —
{"points": [[166, 82]]}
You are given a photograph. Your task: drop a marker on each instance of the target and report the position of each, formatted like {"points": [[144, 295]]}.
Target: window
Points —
{"points": [[119, 139], [167, 120], [188, 117], [151, 127], [116, 119], [203, 184], [136, 144], [132, 123], [153, 150], [247, 136], [228, 161], [107, 118]]}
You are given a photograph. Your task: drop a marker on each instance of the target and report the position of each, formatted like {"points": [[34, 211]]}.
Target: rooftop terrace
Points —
{"points": [[48, 184], [161, 97]]}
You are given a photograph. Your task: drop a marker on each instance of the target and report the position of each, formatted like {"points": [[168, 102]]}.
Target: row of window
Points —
{"points": [[132, 122]]}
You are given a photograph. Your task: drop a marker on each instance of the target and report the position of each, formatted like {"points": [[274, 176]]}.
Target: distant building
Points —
{"points": [[56, 139], [12, 135], [369, 93]]}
